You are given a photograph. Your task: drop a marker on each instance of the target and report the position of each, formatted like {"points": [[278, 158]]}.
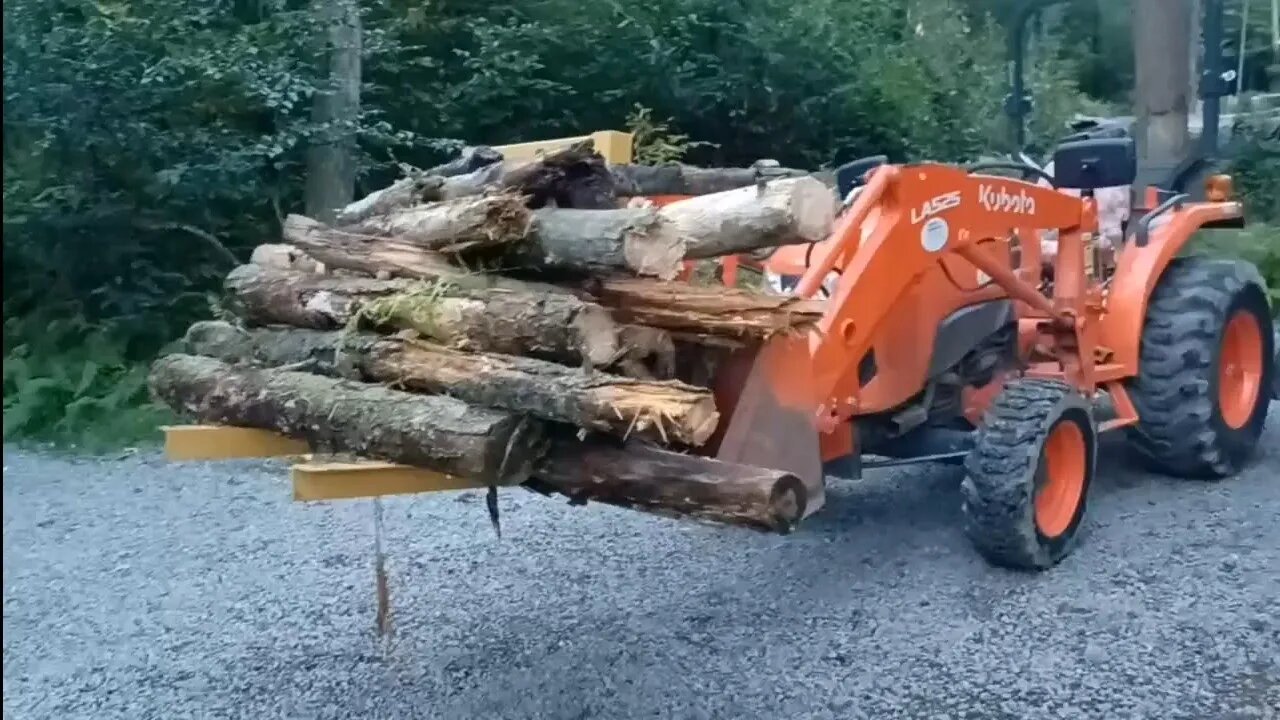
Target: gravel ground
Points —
{"points": [[137, 589]]}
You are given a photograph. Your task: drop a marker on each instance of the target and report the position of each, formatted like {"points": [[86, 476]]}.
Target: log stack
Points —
{"points": [[518, 324]]}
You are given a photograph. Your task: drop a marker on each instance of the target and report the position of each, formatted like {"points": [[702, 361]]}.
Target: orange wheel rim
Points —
{"points": [[1240, 366], [1065, 466]]}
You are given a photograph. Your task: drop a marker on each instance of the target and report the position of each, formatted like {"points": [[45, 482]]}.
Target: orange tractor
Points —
{"points": [[946, 338]]}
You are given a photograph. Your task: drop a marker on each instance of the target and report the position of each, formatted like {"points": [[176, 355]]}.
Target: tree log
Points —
{"points": [[576, 176], [413, 189], [285, 257], [704, 311], [435, 432], [670, 412], [572, 177], [557, 326], [792, 211], [646, 478], [679, 179], [697, 310], [444, 434], [637, 241], [452, 226]]}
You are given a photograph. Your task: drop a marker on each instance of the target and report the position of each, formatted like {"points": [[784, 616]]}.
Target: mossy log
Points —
{"points": [[434, 432], [668, 412], [555, 326], [699, 311], [445, 434]]}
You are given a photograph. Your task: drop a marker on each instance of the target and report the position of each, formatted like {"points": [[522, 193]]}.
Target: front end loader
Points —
{"points": [[946, 338]]}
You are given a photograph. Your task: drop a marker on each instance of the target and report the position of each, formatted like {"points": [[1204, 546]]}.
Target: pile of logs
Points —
{"points": [[516, 323]]}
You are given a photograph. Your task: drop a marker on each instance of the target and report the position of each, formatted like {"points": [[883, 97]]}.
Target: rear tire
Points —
{"points": [[1205, 369], [1027, 479]]}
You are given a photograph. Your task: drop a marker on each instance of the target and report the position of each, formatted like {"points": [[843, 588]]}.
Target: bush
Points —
{"points": [[73, 384]]}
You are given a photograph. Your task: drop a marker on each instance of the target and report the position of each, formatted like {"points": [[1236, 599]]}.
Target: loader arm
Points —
{"points": [[926, 213]]}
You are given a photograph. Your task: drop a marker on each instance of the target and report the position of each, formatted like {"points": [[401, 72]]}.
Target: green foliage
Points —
{"points": [[655, 143], [150, 144], [73, 384], [1256, 175]]}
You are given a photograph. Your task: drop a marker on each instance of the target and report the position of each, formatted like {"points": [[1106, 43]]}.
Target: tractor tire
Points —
{"points": [[1027, 479], [1205, 369]]}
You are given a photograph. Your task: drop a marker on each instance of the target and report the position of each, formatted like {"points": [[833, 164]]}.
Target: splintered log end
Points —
{"points": [[699, 311], [671, 412]]}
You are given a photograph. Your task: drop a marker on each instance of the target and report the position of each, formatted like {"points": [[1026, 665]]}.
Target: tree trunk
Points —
{"points": [[434, 432], [669, 412], [698, 310], [446, 435], [557, 327], [678, 179], [1161, 31], [331, 158], [646, 478], [783, 212]]}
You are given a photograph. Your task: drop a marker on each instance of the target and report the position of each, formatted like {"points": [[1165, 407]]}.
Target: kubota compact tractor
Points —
{"points": [[946, 338]]}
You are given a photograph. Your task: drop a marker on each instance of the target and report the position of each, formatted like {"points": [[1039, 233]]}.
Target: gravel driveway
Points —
{"points": [[137, 589]]}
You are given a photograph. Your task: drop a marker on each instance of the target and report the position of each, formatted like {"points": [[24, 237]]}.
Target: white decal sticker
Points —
{"points": [[945, 201], [997, 199], [934, 235]]}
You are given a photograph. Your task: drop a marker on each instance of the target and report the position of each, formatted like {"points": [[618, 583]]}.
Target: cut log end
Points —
{"points": [[655, 248]]}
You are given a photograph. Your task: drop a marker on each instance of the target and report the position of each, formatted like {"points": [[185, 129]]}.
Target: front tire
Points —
{"points": [[1027, 479], [1205, 369]]}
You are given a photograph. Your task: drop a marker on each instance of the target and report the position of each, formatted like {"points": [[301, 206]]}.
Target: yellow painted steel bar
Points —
{"points": [[313, 479], [615, 146]]}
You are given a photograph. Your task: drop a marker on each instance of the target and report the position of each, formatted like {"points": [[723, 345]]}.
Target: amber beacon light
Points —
{"points": [[1218, 188]]}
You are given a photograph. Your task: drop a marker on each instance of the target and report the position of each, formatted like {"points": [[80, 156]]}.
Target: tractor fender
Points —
{"points": [[1140, 267]]}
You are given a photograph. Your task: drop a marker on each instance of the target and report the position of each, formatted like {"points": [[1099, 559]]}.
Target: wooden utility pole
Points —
{"points": [[1162, 64]]}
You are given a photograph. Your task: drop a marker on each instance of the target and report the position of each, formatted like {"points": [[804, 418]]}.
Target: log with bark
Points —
{"points": [[643, 477], [700, 311], [572, 177], [704, 311], [453, 226], [669, 412], [434, 432], [447, 435], [629, 240], [680, 179], [783, 212], [556, 326]]}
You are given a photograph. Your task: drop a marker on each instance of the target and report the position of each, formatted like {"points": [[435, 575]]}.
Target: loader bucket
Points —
{"points": [[767, 396]]}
